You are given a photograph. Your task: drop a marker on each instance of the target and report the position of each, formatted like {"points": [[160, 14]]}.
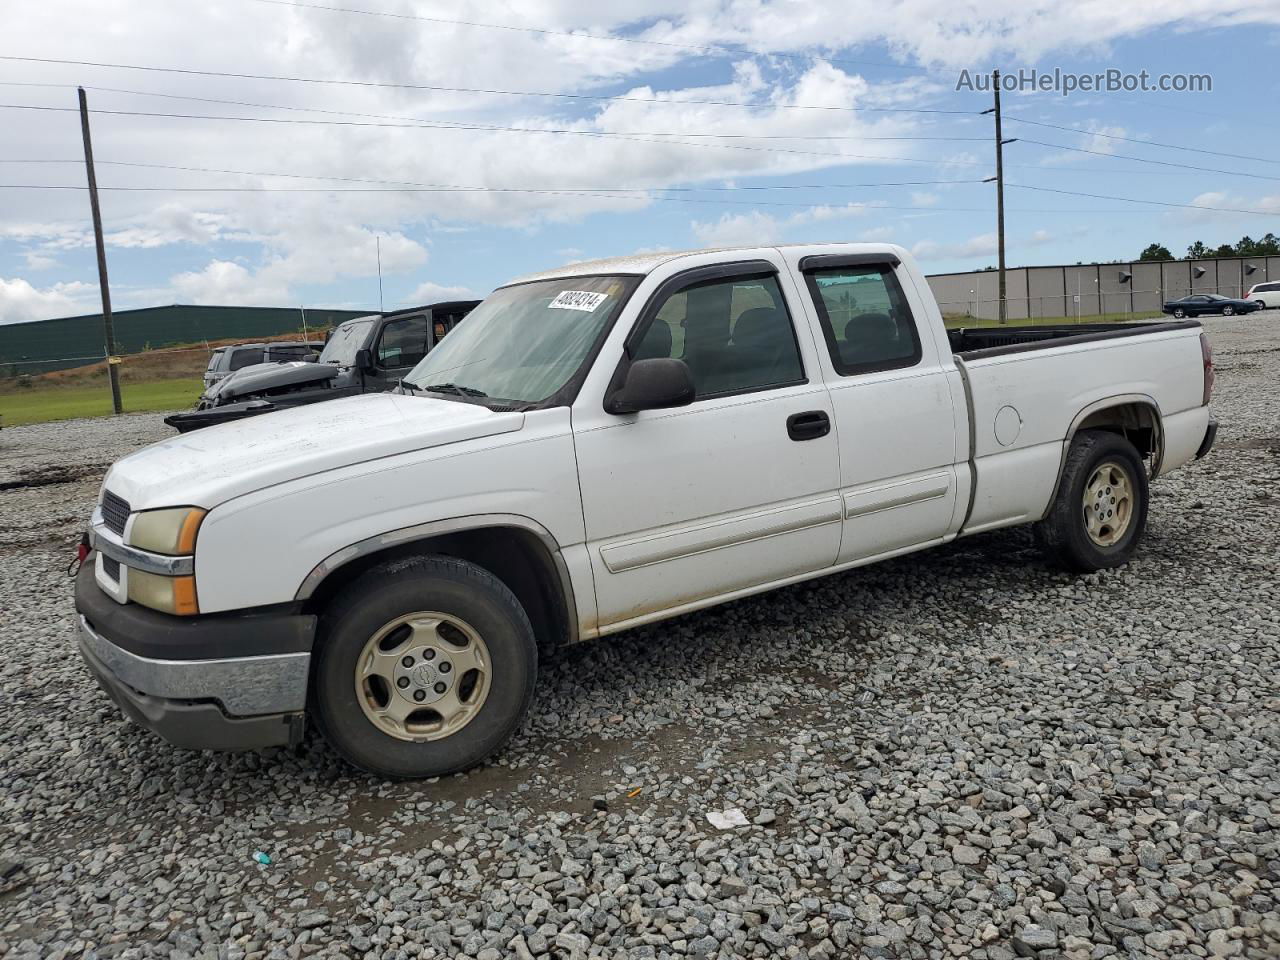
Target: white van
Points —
{"points": [[1266, 294]]}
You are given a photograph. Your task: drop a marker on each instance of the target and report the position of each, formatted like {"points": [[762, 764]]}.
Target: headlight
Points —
{"points": [[175, 595], [171, 532]]}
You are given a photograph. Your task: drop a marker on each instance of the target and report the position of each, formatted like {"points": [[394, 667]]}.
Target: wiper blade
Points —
{"points": [[453, 388]]}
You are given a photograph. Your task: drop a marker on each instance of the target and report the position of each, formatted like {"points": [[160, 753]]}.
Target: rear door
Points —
{"points": [[893, 398], [735, 490]]}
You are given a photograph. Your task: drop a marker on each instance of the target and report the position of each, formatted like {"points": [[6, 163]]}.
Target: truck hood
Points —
{"points": [[213, 465], [269, 376]]}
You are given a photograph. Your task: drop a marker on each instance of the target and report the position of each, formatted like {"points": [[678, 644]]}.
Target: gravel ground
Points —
{"points": [[956, 754]]}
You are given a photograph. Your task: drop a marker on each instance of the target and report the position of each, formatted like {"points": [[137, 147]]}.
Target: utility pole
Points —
{"points": [[113, 362], [1003, 306]]}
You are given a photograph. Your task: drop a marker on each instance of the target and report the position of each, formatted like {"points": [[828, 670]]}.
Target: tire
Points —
{"points": [[1262, 304], [1228, 311], [479, 612], [1179, 313], [1065, 536]]}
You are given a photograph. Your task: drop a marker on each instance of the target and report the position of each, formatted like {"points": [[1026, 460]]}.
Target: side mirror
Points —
{"points": [[364, 359], [653, 384]]}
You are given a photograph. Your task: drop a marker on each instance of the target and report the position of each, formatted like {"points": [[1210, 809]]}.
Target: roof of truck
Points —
{"points": [[643, 263]]}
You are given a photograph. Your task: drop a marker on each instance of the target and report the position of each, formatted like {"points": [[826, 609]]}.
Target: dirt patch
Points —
{"points": [[48, 476]]}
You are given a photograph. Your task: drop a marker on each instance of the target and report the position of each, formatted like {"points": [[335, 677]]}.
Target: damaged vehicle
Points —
{"points": [[225, 362], [362, 355]]}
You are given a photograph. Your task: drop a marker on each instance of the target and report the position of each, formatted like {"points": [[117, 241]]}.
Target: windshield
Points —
{"points": [[346, 340], [523, 343]]}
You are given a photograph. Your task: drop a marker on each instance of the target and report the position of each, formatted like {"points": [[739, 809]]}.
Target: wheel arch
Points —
{"points": [[1135, 416], [517, 550]]}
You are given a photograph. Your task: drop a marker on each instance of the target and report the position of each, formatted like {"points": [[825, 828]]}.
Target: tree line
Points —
{"points": [[1268, 245]]}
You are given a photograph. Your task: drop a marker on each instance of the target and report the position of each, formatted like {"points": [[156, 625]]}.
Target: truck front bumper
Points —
{"points": [[217, 682]]}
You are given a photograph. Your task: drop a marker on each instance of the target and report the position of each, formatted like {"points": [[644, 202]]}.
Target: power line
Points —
{"points": [[460, 188], [459, 125], [587, 36], [870, 207], [492, 128], [451, 125], [1159, 203], [1162, 163], [600, 195], [1149, 143], [438, 88]]}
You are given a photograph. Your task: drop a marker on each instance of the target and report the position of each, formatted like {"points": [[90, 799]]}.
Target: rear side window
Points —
{"points": [[735, 336], [865, 318], [215, 361], [245, 358]]}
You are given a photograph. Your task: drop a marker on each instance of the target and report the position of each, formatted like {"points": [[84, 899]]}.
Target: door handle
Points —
{"points": [[809, 425]]}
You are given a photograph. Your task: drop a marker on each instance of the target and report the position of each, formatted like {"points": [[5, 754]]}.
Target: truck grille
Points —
{"points": [[115, 512], [111, 567]]}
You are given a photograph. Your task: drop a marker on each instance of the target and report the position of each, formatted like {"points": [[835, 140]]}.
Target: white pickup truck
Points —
{"points": [[596, 448]]}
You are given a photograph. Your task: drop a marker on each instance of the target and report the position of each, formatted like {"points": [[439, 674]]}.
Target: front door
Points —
{"points": [[401, 344], [737, 489]]}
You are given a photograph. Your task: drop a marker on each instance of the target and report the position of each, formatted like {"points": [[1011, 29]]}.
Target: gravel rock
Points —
{"points": [[959, 753], [1030, 940]]}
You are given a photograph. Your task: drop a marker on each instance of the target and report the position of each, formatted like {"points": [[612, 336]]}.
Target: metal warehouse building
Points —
{"points": [[64, 342], [1090, 290]]}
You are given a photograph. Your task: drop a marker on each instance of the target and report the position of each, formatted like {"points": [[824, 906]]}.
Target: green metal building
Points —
{"points": [[45, 345]]}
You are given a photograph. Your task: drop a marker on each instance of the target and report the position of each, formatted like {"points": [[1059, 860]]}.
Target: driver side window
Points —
{"points": [[403, 342], [735, 335]]}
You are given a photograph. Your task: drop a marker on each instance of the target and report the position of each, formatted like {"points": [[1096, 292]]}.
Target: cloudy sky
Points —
{"points": [[482, 141]]}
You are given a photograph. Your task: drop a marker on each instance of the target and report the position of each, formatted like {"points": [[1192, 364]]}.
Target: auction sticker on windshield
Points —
{"points": [[583, 300]]}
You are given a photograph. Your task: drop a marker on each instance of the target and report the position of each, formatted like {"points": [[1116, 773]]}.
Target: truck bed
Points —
{"points": [[975, 342], [1024, 396]]}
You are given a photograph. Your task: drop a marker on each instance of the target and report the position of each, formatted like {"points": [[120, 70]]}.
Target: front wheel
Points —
{"points": [[1228, 311], [1262, 304], [1100, 512], [1179, 313], [423, 668]]}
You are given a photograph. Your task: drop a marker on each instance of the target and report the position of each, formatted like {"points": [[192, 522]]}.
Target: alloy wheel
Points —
{"points": [[423, 676], [1108, 503]]}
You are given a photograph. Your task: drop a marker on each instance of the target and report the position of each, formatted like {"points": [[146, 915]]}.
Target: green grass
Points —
{"points": [[971, 322], [42, 404]]}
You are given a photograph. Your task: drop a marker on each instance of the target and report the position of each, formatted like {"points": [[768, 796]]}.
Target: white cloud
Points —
{"points": [[922, 199], [38, 261], [224, 282], [739, 230], [755, 228], [431, 292], [982, 245], [20, 301], [882, 233]]}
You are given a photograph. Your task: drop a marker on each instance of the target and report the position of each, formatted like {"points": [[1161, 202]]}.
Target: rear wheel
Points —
{"points": [[423, 668], [1228, 310], [1100, 512]]}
